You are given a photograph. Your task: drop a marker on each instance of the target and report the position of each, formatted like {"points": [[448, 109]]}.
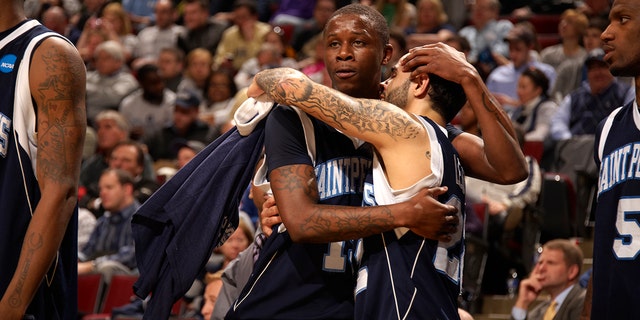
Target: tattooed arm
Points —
{"points": [[294, 185], [400, 140], [497, 156], [308, 221], [375, 121], [57, 81]]}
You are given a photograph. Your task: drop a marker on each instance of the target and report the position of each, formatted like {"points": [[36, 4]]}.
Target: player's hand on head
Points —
{"points": [[269, 216], [440, 59], [432, 219]]}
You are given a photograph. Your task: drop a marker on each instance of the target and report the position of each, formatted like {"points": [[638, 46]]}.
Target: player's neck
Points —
{"points": [[10, 17], [422, 108]]}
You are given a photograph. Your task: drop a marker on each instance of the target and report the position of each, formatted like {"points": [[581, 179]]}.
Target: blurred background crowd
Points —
{"points": [[165, 77]]}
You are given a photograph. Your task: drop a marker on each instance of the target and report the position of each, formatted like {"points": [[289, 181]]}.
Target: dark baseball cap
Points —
{"points": [[595, 56], [187, 99]]}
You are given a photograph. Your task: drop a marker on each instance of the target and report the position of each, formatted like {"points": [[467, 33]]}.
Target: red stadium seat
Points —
{"points": [[119, 293], [89, 287], [534, 149]]}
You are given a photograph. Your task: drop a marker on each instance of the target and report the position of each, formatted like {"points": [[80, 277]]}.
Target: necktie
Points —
{"points": [[259, 241], [551, 311]]}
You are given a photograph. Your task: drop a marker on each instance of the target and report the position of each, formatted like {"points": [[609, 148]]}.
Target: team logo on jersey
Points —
{"points": [[5, 129], [342, 176], [7, 62], [619, 166]]}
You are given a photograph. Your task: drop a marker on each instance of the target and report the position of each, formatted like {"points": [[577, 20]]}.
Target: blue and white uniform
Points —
{"points": [[307, 281], [56, 298], [403, 275], [616, 261]]}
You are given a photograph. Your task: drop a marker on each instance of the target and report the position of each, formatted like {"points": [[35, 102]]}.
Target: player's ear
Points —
{"points": [[422, 86], [388, 52]]}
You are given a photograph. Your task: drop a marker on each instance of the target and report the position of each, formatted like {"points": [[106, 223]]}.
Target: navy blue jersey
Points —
{"points": [[616, 261], [56, 297], [307, 281], [403, 275]]}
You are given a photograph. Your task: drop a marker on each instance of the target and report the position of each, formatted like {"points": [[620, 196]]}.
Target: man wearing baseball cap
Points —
{"points": [[186, 127], [580, 111]]}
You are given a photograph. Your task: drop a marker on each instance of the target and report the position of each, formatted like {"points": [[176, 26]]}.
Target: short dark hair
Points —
{"points": [[447, 97], [146, 70], [372, 17], [523, 31], [599, 23], [232, 84], [204, 4], [400, 38], [249, 4], [463, 42], [538, 78]]}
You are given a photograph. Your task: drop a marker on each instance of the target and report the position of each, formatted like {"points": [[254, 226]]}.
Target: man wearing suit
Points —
{"points": [[555, 273]]}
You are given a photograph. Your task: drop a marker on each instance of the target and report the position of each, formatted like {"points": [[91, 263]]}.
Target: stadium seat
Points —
{"points": [[89, 287], [557, 207], [119, 293], [545, 23], [534, 149]]}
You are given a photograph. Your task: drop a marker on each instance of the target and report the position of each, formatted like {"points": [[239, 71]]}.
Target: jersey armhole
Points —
{"points": [[309, 134], [605, 132]]}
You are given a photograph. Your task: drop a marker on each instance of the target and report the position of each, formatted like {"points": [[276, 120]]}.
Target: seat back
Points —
{"points": [[285, 31], [89, 287], [119, 293], [557, 207], [534, 149]]}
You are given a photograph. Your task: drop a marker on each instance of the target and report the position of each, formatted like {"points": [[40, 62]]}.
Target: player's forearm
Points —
{"points": [[500, 143], [296, 194], [374, 121], [41, 243], [485, 106], [323, 223], [290, 87]]}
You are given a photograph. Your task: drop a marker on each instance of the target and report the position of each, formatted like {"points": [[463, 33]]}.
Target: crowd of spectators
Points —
{"points": [[165, 76]]}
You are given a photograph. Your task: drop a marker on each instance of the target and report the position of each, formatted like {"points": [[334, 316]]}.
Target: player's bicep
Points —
{"points": [[57, 80]]}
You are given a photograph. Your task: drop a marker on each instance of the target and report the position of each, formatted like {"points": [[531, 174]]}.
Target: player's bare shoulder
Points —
{"points": [[57, 72]]}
